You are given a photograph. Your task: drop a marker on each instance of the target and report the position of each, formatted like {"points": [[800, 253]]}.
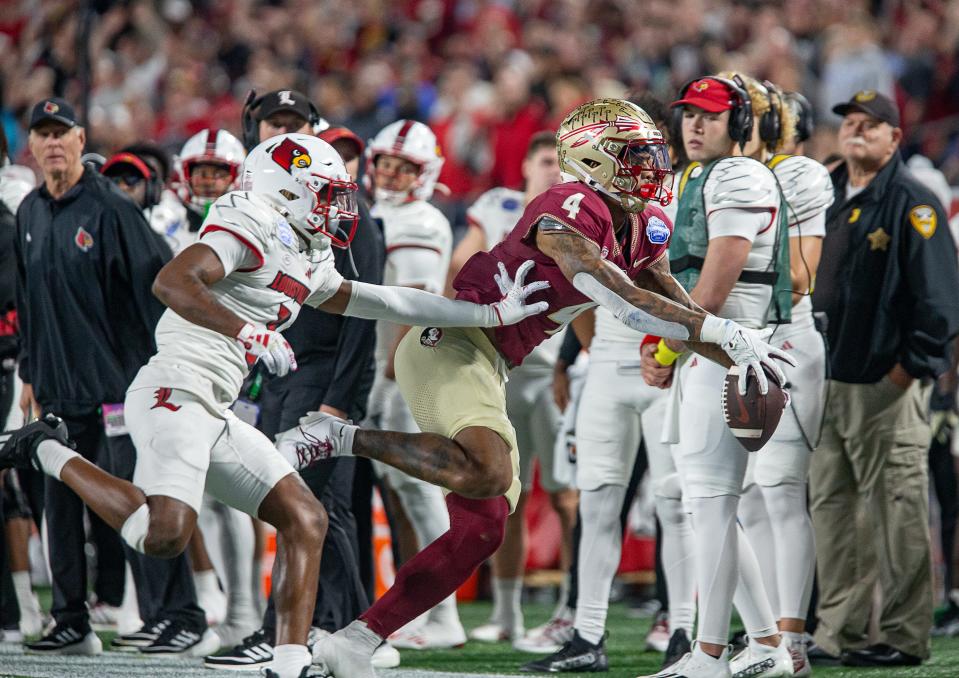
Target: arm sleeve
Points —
{"points": [[931, 275], [408, 306], [742, 223], [232, 252], [357, 339]]}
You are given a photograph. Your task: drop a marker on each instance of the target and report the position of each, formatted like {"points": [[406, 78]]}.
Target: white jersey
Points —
{"points": [[419, 244], [496, 213], [169, 219], [15, 182], [268, 280], [742, 199], [808, 191]]}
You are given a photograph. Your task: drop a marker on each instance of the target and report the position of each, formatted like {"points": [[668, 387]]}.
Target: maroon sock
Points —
{"points": [[476, 530]]}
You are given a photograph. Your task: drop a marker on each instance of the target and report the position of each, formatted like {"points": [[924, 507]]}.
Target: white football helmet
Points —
{"points": [[411, 141], [304, 179], [209, 146]]}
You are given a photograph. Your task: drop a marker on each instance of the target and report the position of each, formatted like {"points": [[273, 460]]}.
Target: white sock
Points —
{"points": [[507, 602], [716, 556], [289, 660], [679, 565], [599, 550], [358, 632], [795, 548], [206, 582], [236, 543], [750, 597], [758, 527], [793, 639], [24, 591], [562, 610], [54, 456]]}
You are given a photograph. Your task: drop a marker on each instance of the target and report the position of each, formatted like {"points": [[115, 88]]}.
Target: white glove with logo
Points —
{"points": [[512, 307], [748, 349], [269, 347]]}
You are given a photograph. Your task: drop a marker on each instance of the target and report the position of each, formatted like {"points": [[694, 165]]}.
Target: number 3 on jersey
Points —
{"points": [[571, 204]]}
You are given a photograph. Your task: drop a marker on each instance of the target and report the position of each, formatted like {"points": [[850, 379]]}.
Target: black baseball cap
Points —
{"points": [[284, 100], [870, 102], [55, 109]]}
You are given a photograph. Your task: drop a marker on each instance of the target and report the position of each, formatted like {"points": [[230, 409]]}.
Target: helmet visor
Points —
{"points": [[647, 162], [335, 213]]}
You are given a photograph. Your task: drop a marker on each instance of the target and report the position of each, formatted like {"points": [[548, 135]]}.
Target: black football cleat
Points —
{"points": [[576, 656], [18, 447], [679, 645]]}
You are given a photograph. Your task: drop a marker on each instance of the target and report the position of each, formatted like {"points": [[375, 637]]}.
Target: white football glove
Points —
{"points": [[512, 307], [748, 349], [269, 347]]}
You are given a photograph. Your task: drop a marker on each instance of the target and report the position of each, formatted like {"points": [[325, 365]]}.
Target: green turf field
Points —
{"points": [[627, 659]]}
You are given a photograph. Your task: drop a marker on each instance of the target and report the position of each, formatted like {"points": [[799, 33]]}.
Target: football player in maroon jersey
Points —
{"points": [[597, 240]]}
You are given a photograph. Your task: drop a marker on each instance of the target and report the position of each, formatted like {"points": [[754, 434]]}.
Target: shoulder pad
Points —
{"points": [[244, 214], [574, 204], [806, 187], [494, 204], [741, 183], [417, 223]]}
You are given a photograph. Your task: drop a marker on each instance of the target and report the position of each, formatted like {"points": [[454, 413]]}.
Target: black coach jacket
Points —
{"points": [[888, 278], [85, 269]]}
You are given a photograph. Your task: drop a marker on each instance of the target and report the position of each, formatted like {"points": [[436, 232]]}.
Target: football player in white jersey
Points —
{"points": [[532, 411], [773, 509], [207, 166], [402, 165], [263, 252], [726, 251]]}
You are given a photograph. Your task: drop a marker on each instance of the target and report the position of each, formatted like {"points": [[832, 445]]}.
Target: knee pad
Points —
{"points": [[134, 530], [668, 487]]}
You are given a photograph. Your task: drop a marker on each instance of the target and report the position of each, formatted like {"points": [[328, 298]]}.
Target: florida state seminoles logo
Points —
{"points": [[290, 155]]}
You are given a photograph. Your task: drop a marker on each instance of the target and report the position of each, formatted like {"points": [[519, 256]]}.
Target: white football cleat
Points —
{"points": [[800, 655], [319, 436], [385, 657], [696, 664], [429, 636], [658, 637], [345, 654], [550, 637], [762, 661], [494, 632]]}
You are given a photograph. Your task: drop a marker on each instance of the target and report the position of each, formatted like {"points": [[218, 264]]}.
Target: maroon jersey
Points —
{"points": [[582, 210]]}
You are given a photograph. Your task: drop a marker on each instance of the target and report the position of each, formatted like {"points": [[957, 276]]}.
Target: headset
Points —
{"points": [[153, 182], [770, 122], [251, 126], [805, 122], [740, 115]]}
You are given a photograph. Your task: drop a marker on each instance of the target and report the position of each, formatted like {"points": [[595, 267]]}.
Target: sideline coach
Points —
{"points": [[888, 283]]}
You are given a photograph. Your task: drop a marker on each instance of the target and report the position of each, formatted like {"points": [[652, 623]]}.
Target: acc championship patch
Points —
{"points": [[657, 231], [431, 336], [923, 219]]}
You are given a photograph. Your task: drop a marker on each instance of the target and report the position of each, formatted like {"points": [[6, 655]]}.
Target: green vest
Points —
{"points": [[687, 247]]}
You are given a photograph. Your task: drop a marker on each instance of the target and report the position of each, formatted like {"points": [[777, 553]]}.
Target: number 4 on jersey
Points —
{"points": [[571, 204]]}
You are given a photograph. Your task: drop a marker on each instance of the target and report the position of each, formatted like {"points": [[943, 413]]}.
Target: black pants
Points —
{"points": [[164, 587], [340, 596], [942, 468], [9, 610]]}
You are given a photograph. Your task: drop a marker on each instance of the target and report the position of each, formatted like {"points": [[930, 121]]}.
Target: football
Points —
{"points": [[753, 417]]}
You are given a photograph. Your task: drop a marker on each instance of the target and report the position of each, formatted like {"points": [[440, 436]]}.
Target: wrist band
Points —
{"points": [[664, 355]]}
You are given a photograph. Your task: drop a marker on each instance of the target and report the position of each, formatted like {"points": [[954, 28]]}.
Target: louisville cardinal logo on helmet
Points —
{"points": [[290, 155]]}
